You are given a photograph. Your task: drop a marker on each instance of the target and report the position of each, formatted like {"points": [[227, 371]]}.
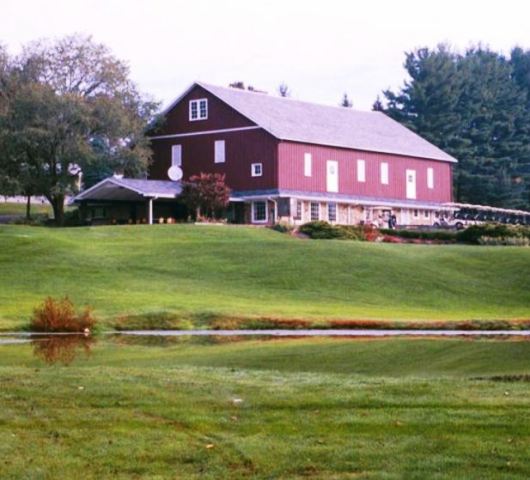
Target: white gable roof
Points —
{"points": [[288, 119], [117, 188]]}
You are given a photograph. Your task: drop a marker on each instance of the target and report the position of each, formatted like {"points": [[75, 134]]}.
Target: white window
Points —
{"points": [[430, 178], [315, 211], [199, 109], [259, 211], [307, 164], [384, 173], [361, 170], [332, 212], [219, 154], [176, 155], [298, 210], [256, 169]]}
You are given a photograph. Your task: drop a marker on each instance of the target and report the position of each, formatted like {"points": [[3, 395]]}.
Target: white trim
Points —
{"points": [[176, 155], [332, 176], [197, 102], [383, 173], [115, 181], [411, 191], [308, 161], [219, 151], [368, 203], [253, 169], [361, 170], [313, 202], [336, 211], [206, 132], [252, 208], [150, 211], [430, 178]]}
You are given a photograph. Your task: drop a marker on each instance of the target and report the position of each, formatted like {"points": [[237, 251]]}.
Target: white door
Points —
{"points": [[411, 183], [332, 176]]}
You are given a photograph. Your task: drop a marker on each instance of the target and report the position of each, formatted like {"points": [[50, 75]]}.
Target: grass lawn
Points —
{"points": [[310, 408], [20, 209], [197, 272]]}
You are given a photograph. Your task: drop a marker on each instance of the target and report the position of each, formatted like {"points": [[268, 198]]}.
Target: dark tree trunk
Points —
{"points": [[57, 202], [28, 207]]}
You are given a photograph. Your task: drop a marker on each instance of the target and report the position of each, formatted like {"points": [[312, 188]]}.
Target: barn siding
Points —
{"points": [[241, 150], [220, 115], [291, 173]]}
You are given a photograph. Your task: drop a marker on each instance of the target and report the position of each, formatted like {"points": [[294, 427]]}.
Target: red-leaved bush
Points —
{"points": [[60, 316]]}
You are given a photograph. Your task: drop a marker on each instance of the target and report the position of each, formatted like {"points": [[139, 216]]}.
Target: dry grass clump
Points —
{"points": [[59, 315]]}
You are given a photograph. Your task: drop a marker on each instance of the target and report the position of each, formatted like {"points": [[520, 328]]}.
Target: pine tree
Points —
{"points": [[470, 106]]}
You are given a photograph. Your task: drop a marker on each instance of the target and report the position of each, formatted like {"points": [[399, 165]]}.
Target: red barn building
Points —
{"points": [[293, 161]]}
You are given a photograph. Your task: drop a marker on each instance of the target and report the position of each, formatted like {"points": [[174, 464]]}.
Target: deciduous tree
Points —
{"points": [[206, 194], [72, 105]]}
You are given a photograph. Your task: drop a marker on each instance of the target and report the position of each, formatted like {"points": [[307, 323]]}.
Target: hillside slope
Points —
{"points": [[200, 270]]}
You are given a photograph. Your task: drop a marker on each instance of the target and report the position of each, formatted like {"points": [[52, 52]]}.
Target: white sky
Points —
{"points": [[321, 49]]}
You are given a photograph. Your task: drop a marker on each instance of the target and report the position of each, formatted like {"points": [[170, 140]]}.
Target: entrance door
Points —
{"points": [[332, 176], [411, 183]]}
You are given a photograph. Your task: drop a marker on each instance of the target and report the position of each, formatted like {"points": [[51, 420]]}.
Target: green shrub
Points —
{"points": [[443, 235], [282, 227], [474, 233], [320, 230], [324, 230], [506, 241]]}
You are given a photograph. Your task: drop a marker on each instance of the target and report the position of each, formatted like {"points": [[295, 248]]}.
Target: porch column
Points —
{"points": [[150, 211]]}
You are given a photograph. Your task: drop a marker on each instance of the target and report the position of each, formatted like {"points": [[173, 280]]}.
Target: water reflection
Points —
{"points": [[171, 341], [62, 349]]}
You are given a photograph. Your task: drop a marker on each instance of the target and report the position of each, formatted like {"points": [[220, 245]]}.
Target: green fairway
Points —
{"points": [[19, 209], [197, 272], [305, 408]]}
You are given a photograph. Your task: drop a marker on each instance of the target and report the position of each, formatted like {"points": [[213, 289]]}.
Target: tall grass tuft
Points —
{"points": [[59, 315]]}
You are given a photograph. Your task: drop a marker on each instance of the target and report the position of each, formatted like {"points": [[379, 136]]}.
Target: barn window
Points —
{"points": [[416, 213], [259, 211], [307, 164], [332, 212], [315, 211], [426, 213], [199, 109], [361, 171], [384, 173], [430, 178], [298, 215], [176, 155], [219, 151], [256, 169]]}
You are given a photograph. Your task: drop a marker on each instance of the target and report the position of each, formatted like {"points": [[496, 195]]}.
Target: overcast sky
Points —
{"points": [[321, 49]]}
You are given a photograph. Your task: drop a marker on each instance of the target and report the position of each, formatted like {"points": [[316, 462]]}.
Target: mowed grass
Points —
{"points": [[288, 409], [195, 271], [19, 209]]}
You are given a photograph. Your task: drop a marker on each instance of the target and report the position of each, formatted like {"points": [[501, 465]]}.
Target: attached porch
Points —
{"points": [[117, 200]]}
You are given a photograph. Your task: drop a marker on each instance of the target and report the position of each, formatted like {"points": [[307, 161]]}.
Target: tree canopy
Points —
{"points": [[476, 106], [68, 106]]}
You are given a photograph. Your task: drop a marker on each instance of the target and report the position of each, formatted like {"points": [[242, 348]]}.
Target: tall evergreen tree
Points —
{"points": [[470, 106]]}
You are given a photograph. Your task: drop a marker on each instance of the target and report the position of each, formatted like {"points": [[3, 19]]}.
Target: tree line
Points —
{"points": [[67, 107], [475, 106]]}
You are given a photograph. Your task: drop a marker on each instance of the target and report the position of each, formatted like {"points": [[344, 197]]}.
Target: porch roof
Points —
{"points": [[129, 189]]}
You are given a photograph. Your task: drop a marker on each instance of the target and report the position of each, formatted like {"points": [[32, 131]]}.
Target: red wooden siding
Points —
{"points": [[220, 115], [291, 173], [241, 150]]}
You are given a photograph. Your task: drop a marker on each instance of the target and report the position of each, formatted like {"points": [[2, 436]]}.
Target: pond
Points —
{"points": [[63, 349]]}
